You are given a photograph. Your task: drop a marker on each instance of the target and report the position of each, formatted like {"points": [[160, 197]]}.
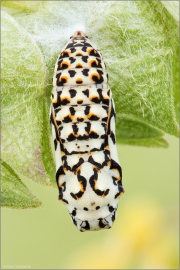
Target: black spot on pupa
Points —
{"points": [[114, 180], [62, 140], [69, 45], [93, 135], [87, 44], [71, 137], [72, 111], [111, 208], [93, 118], [106, 192], [58, 76], [55, 144], [74, 213], [84, 58], [75, 128], [97, 207], [67, 119], [72, 50], [101, 224], [103, 136], [72, 59], [82, 137], [80, 119], [113, 137], [113, 217], [84, 49], [95, 100], [88, 127], [87, 109], [58, 123], [100, 71], [85, 72], [64, 101], [85, 208], [72, 93], [104, 119], [72, 73], [86, 226], [86, 92]]}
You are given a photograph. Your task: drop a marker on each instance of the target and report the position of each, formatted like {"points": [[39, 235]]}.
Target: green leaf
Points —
{"points": [[150, 142], [26, 6], [14, 193], [131, 130], [140, 67], [172, 8], [172, 16], [23, 83], [47, 145]]}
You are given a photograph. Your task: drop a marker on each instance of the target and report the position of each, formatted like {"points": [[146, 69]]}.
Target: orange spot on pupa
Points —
{"points": [[65, 98], [78, 65], [90, 50], [79, 54], [63, 79], [79, 101], [91, 62], [79, 81], [66, 54], [94, 97], [94, 76], [64, 65]]}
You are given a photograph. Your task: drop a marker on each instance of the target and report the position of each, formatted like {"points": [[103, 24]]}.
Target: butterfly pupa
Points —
{"points": [[82, 115]]}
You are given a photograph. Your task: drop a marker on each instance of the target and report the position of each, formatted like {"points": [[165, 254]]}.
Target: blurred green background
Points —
{"points": [[144, 235]]}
